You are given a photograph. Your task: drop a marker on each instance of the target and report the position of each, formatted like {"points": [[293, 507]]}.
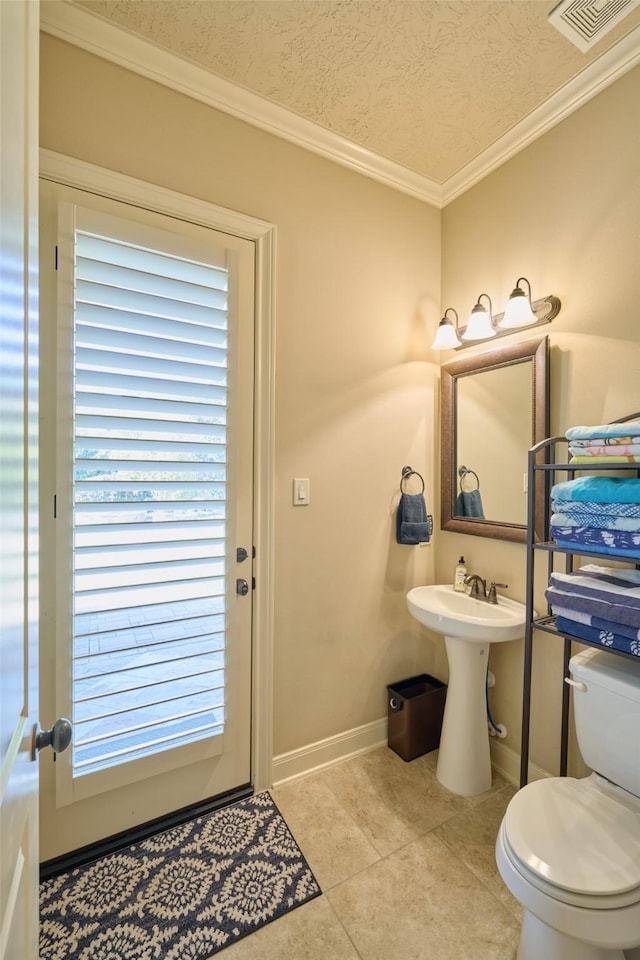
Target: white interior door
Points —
{"points": [[147, 492], [18, 479]]}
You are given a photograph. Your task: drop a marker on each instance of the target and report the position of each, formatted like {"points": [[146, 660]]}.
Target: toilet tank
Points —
{"points": [[607, 715]]}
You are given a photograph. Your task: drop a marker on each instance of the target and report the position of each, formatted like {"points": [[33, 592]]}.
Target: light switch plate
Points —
{"points": [[301, 491]]}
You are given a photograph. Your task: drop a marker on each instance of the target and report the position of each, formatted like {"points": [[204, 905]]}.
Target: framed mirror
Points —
{"points": [[494, 407]]}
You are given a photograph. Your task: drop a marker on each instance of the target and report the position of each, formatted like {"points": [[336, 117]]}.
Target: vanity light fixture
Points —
{"points": [[446, 337], [480, 323], [518, 311]]}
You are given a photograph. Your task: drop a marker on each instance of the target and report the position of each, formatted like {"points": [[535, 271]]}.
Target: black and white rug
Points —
{"points": [[181, 895]]}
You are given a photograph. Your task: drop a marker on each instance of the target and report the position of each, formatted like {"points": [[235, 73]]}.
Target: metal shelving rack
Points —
{"points": [[543, 464]]}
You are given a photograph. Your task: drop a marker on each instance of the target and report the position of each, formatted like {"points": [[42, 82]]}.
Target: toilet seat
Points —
{"points": [[576, 842]]}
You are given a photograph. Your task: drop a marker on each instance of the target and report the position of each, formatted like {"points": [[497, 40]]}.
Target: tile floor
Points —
{"points": [[407, 869]]}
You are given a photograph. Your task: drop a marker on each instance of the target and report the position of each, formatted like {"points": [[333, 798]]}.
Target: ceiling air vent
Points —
{"points": [[584, 22]]}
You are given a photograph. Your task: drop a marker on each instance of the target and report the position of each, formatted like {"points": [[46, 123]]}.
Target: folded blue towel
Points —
{"points": [[632, 554], [601, 623], [613, 585], [412, 524], [573, 508], [593, 538], [601, 489], [621, 613], [469, 504]]}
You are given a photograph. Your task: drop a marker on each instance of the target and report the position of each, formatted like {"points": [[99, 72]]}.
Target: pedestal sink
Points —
{"points": [[469, 626]]}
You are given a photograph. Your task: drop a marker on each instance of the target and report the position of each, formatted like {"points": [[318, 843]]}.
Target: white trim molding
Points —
{"points": [[326, 753], [352, 743], [593, 80], [507, 762], [85, 29], [117, 186]]}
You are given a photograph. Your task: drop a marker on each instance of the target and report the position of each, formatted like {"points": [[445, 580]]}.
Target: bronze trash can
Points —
{"points": [[415, 714]]}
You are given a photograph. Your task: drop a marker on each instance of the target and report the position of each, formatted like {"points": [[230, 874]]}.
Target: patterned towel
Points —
{"points": [[573, 508], [604, 441], [606, 450], [600, 489], [606, 638], [607, 542], [600, 623], [582, 518]]}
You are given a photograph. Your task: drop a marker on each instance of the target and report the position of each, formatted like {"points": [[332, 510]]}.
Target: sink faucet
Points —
{"points": [[475, 582], [479, 589]]}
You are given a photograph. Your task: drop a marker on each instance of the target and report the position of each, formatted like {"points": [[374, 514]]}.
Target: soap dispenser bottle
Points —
{"points": [[461, 572]]}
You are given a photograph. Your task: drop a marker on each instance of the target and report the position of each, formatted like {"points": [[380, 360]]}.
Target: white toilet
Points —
{"points": [[569, 850]]}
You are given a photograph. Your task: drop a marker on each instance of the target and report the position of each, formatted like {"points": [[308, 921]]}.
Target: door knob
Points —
{"points": [[242, 587], [58, 737]]}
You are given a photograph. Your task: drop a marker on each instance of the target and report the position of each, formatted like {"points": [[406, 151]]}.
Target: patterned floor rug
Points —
{"points": [[181, 895]]}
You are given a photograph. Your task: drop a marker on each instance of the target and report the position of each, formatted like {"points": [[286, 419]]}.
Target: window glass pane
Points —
{"points": [[149, 477]]}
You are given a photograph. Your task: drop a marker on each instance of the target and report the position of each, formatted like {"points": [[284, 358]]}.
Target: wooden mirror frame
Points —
{"points": [[535, 352]]}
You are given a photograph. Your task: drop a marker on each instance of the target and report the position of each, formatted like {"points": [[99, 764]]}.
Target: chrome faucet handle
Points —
{"points": [[493, 596]]}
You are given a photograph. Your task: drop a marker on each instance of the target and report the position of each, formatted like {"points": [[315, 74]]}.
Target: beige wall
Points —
{"points": [[357, 265], [566, 214], [358, 270]]}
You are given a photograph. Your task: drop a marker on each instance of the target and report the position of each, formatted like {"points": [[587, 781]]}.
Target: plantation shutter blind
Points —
{"points": [[149, 479]]}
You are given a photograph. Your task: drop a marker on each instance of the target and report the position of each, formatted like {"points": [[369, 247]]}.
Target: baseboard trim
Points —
{"points": [[327, 752], [507, 762], [352, 743]]}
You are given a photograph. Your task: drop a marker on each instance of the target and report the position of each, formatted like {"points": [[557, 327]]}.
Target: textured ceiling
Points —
{"points": [[428, 84]]}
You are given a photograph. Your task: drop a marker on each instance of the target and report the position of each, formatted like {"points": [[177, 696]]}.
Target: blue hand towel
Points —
{"points": [[469, 504], [412, 525]]}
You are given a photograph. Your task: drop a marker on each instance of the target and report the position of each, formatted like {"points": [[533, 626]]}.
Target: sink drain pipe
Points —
{"points": [[495, 729]]}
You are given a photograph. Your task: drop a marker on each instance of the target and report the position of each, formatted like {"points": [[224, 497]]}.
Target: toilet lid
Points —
{"points": [[575, 836]]}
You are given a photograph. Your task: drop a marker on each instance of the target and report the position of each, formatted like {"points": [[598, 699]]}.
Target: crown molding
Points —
{"points": [[90, 32], [600, 74]]}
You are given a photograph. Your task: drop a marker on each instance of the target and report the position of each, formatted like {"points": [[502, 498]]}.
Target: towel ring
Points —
{"points": [[409, 472], [465, 472]]}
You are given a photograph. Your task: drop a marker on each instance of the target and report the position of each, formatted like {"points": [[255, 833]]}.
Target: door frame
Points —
{"points": [[116, 186]]}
